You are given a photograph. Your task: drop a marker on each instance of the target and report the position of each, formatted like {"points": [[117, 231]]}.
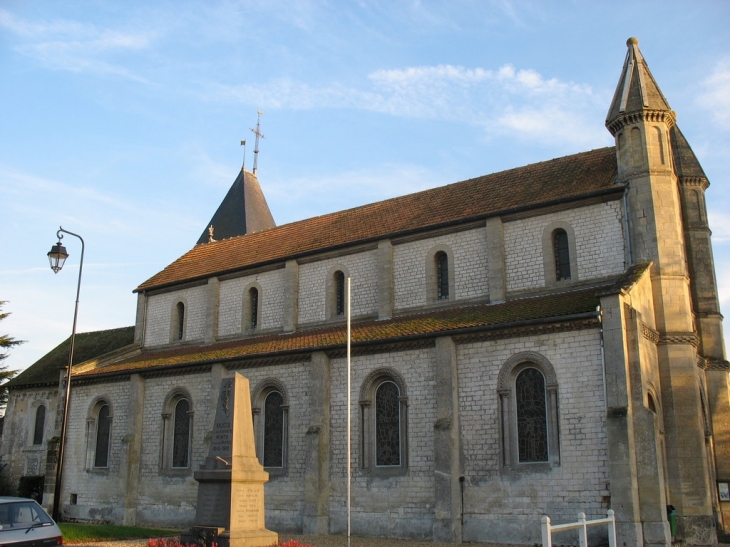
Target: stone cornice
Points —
{"points": [[694, 181], [650, 334], [630, 118], [680, 338]]}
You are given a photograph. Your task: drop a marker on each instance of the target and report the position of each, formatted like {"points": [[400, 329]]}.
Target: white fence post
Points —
{"points": [[611, 529], [582, 531], [547, 540]]}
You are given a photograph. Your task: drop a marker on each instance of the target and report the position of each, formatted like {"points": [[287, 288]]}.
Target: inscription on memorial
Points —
{"points": [[222, 438]]}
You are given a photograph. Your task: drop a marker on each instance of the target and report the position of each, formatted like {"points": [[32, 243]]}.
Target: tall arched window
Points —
{"points": [[387, 424], [384, 415], [528, 407], [442, 276], [103, 434], [561, 251], [339, 293], [532, 429], [181, 435], [40, 424], [253, 298], [180, 321], [273, 430], [270, 406]]}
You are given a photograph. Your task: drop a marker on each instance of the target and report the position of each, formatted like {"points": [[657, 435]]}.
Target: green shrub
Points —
{"points": [[31, 486]]}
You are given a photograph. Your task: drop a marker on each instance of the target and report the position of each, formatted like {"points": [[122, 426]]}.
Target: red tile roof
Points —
{"points": [[570, 177], [448, 321]]}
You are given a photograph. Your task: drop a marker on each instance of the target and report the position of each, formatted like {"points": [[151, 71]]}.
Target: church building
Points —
{"points": [[545, 340]]}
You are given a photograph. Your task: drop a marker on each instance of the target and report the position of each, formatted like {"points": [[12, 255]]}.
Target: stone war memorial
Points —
{"points": [[230, 508]]}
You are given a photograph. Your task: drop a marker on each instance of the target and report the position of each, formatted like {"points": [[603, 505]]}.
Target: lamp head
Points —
{"points": [[57, 256]]}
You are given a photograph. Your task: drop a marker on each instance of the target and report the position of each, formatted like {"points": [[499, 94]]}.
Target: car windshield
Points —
{"points": [[22, 514]]}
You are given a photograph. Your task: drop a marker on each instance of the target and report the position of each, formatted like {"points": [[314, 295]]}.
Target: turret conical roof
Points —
{"points": [[243, 211], [637, 90]]}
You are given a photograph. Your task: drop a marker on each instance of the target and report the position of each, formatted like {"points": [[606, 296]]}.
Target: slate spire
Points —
{"points": [[243, 211], [637, 91]]}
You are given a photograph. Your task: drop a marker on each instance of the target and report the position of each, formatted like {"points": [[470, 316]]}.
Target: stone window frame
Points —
{"points": [[508, 411], [331, 293], [92, 431], [258, 400], [367, 423], [167, 433], [548, 253], [176, 336], [432, 296], [246, 308], [37, 405]]}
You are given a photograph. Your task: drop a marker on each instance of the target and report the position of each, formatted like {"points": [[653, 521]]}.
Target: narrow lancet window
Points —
{"points": [[274, 430], [181, 434], [339, 293], [562, 254], [253, 297], [532, 434], [103, 432], [387, 425], [180, 320], [442, 276], [40, 423]]}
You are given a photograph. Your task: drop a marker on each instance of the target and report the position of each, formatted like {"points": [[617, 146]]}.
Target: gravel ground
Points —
{"points": [[338, 541]]}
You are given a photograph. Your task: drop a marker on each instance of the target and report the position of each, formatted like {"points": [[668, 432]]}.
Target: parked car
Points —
{"points": [[24, 523]]}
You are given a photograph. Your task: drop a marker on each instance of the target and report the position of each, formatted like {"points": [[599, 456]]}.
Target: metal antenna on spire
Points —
{"points": [[258, 135], [243, 143]]}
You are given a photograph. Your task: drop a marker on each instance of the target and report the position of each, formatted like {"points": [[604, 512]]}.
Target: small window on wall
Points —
{"points": [[442, 276], [339, 293], [103, 434], [532, 430], [180, 321], [177, 433], [177, 321], [40, 423], [274, 430], [561, 252], [181, 435], [253, 298]]}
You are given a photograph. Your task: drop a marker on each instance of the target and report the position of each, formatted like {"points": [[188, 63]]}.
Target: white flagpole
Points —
{"points": [[349, 466]]}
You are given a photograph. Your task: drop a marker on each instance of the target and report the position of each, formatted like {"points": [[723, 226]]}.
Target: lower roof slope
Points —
{"points": [[88, 345], [570, 177]]}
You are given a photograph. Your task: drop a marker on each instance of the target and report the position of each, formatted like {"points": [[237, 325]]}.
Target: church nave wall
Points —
{"points": [[160, 310], [270, 299]]}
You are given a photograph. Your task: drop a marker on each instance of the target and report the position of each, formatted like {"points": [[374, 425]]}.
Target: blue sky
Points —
{"points": [[121, 121]]}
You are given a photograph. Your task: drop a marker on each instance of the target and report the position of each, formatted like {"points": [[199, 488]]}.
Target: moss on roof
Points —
{"points": [[449, 321], [88, 345]]}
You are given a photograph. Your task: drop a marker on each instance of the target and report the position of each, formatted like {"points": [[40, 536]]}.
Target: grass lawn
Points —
{"points": [[79, 533]]}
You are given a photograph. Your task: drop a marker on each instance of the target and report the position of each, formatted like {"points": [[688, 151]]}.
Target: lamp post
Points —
{"points": [[57, 256]]}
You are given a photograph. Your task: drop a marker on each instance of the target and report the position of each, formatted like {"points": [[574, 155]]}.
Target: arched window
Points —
{"points": [[384, 407], [561, 251], [532, 431], [339, 293], [253, 298], [270, 405], [103, 434], [387, 424], [181, 435], [273, 430], [180, 321], [177, 433], [40, 424], [528, 395], [442, 276]]}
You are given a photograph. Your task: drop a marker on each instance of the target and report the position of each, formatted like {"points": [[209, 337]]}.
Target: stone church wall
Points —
{"points": [[599, 244], [399, 506], [313, 283], [18, 455], [471, 279], [271, 301], [160, 310], [505, 504]]}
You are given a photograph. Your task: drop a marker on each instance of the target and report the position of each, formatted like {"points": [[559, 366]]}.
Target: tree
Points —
{"points": [[6, 342]]}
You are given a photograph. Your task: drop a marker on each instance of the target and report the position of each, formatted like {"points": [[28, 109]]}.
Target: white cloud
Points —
{"points": [[76, 47], [511, 101], [716, 94]]}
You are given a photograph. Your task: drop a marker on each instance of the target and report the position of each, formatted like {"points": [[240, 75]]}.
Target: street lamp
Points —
{"points": [[57, 256]]}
